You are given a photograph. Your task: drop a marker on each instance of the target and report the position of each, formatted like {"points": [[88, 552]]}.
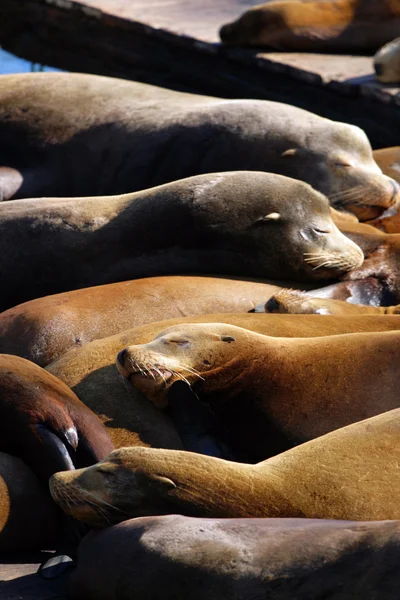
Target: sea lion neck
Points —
{"points": [[205, 485]]}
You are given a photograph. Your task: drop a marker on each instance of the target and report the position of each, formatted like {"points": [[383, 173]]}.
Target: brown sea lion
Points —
{"points": [[269, 393], [239, 223], [44, 329], [135, 133], [299, 303], [130, 418], [387, 62], [351, 473], [201, 559], [388, 160], [28, 517], [44, 423], [360, 26]]}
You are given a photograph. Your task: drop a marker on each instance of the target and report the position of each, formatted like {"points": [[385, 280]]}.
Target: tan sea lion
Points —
{"points": [[387, 62], [281, 559], [43, 329], [360, 26], [28, 518], [299, 303], [351, 473], [141, 136], [130, 418], [44, 423], [269, 393], [239, 223]]}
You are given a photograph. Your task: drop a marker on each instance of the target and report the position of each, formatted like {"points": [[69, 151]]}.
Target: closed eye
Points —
{"points": [[342, 164], [179, 342], [320, 231]]}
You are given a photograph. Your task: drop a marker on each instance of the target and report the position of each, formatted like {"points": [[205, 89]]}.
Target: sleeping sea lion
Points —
{"points": [[269, 393], [141, 136], [351, 473], [129, 417], [281, 559], [348, 26], [239, 223]]}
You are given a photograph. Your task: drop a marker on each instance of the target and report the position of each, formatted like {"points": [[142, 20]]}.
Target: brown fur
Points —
{"points": [[44, 423], [298, 303], [281, 559], [28, 518], [270, 393], [132, 420], [350, 473], [360, 26], [236, 223], [142, 136]]}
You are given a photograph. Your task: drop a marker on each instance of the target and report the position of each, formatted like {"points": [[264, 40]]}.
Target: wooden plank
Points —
{"points": [[173, 43], [19, 579]]}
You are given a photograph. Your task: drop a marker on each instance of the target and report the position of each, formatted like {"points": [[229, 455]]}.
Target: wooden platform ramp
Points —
{"points": [[174, 43]]}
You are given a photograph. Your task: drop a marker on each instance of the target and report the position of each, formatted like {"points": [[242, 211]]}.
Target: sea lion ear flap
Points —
{"points": [[159, 481], [274, 216], [290, 152]]}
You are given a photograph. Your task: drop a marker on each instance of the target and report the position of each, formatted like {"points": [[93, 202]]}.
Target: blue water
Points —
{"points": [[12, 64]]}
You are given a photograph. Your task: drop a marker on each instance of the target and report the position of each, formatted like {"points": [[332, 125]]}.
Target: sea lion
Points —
{"points": [[44, 423], [299, 303], [43, 329], [388, 160], [347, 26], [28, 517], [141, 136], [351, 473], [269, 393], [239, 223], [252, 558], [387, 62], [130, 418]]}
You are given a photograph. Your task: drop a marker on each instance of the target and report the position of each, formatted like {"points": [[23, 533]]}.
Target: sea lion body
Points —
{"points": [[44, 423], [28, 518], [130, 418], [269, 393], [360, 26], [350, 473], [298, 303], [387, 62], [240, 223], [141, 136], [42, 330], [252, 558]]}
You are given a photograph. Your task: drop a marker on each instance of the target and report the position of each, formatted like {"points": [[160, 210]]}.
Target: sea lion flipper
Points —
{"points": [[55, 448]]}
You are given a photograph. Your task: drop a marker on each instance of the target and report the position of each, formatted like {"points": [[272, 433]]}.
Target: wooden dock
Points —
{"points": [[174, 43]]}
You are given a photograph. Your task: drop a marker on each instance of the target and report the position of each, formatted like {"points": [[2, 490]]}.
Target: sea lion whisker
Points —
{"points": [[192, 371]]}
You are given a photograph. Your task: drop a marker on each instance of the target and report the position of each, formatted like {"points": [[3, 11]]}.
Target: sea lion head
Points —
{"points": [[205, 355], [127, 483], [259, 26], [387, 62], [282, 222], [338, 161], [294, 302]]}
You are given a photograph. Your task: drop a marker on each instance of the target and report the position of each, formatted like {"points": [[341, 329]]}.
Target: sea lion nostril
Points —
{"points": [[272, 305], [378, 69], [121, 356]]}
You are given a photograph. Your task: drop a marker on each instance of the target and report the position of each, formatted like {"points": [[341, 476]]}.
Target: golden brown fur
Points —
{"points": [[269, 393], [350, 473], [388, 160], [360, 26], [131, 420]]}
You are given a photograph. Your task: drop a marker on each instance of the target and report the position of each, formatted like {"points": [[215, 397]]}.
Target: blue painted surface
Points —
{"points": [[12, 64]]}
